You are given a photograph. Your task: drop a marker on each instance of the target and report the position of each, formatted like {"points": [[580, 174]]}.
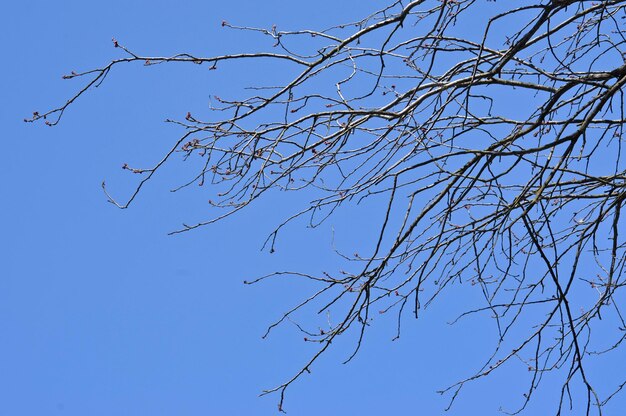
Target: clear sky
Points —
{"points": [[102, 313]]}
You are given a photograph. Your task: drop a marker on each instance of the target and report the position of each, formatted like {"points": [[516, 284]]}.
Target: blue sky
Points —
{"points": [[102, 313]]}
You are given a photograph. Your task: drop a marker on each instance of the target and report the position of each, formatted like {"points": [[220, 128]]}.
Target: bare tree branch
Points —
{"points": [[498, 155]]}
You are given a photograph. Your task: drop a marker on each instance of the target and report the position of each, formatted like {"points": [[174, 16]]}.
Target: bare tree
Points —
{"points": [[498, 153]]}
